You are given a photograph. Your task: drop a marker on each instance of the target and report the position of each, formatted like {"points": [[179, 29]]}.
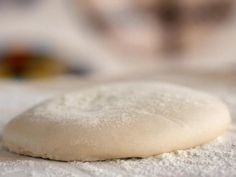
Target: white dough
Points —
{"points": [[119, 120]]}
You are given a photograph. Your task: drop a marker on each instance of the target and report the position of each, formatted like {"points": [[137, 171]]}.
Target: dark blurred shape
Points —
{"points": [[170, 15], [22, 62], [178, 26], [81, 70], [19, 4], [177, 18], [169, 12], [214, 12], [23, 2]]}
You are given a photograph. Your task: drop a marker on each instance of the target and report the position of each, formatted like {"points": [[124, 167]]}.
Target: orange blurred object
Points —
{"points": [[21, 62]]}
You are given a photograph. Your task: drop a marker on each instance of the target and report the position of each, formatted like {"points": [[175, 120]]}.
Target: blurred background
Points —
{"points": [[49, 47], [68, 41]]}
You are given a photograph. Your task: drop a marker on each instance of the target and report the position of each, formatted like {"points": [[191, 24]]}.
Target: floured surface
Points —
{"points": [[215, 159]]}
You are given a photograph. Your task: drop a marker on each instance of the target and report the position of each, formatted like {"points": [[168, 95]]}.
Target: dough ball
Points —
{"points": [[118, 120]]}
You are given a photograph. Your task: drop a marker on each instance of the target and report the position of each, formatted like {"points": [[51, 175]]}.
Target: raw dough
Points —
{"points": [[119, 120]]}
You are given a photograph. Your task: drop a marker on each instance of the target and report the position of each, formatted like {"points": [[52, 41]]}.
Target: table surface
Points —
{"points": [[218, 158]]}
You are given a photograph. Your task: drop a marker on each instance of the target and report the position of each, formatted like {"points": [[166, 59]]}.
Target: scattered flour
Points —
{"points": [[217, 159]]}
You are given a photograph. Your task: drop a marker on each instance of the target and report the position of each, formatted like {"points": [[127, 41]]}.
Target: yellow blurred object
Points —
{"points": [[23, 63]]}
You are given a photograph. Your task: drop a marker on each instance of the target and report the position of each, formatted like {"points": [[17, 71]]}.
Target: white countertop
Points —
{"points": [[218, 158]]}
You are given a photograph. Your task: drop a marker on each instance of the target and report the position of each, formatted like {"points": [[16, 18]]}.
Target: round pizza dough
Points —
{"points": [[118, 120]]}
